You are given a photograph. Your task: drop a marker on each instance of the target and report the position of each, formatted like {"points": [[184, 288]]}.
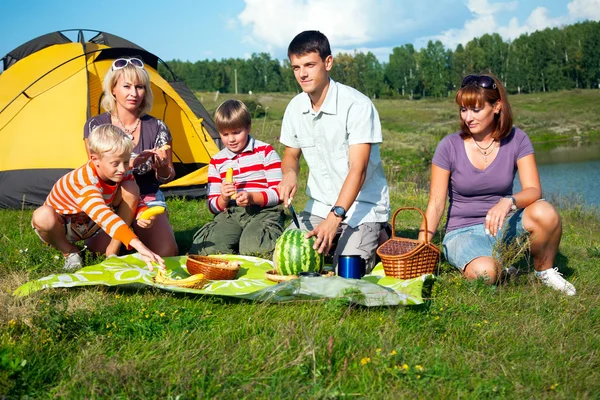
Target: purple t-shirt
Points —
{"points": [[472, 191]]}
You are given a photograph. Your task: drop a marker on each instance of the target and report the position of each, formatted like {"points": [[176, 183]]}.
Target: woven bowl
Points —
{"points": [[273, 276], [213, 268]]}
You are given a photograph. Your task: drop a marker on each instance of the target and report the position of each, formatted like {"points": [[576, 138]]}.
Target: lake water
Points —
{"points": [[569, 170]]}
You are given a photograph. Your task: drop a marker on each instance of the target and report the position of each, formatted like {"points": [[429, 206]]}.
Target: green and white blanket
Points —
{"points": [[372, 290]]}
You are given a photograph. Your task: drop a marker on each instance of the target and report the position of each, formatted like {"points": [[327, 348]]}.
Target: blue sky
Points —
{"points": [[210, 29]]}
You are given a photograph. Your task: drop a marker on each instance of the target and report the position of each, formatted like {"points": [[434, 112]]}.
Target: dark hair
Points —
{"points": [[232, 114], [474, 95], [309, 42]]}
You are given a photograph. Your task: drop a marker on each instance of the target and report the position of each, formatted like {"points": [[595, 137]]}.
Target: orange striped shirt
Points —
{"points": [[82, 191]]}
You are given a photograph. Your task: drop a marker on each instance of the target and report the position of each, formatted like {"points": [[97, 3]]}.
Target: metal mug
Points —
{"points": [[351, 267]]}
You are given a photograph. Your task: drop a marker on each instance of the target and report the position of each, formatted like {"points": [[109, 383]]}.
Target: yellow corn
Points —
{"points": [[229, 178], [196, 281], [152, 211]]}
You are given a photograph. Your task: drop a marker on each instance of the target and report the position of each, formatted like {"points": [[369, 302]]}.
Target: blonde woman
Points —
{"points": [[128, 99]]}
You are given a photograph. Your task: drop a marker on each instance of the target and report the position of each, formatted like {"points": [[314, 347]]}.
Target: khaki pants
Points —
{"points": [[248, 230]]}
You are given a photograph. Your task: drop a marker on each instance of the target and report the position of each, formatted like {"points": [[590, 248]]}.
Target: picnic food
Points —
{"points": [[213, 268], [196, 281], [294, 253], [229, 178], [152, 211]]}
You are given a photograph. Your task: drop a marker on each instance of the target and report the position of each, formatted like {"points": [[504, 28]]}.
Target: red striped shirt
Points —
{"points": [[256, 169]]}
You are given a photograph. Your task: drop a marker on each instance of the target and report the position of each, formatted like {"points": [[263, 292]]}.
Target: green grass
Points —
{"points": [[514, 340]]}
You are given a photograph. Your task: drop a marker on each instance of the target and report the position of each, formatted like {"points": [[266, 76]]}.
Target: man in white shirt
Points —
{"points": [[338, 131]]}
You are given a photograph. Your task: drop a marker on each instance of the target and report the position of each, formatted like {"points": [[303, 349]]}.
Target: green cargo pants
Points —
{"points": [[248, 230]]}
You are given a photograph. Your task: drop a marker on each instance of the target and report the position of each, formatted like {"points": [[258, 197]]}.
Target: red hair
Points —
{"points": [[473, 95]]}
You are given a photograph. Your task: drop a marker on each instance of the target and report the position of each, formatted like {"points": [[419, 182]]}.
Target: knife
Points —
{"points": [[293, 212]]}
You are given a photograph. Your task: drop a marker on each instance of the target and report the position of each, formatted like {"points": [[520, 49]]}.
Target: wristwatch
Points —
{"points": [[513, 207], [339, 211]]}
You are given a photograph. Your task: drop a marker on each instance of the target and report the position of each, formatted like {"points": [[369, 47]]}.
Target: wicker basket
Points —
{"points": [[213, 268], [408, 258]]}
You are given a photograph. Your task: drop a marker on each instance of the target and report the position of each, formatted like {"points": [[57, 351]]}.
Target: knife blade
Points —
{"points": [[294, 216]]}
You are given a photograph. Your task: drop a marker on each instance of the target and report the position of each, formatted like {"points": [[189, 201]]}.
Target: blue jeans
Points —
{"points": [[155, 199], [463, 245]]}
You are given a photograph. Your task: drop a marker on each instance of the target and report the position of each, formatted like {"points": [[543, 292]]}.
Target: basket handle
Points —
{"points": [[408, 209]]}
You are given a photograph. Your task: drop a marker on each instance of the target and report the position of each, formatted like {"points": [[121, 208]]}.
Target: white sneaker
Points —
{"points": [[72, 262], [551, 277]]}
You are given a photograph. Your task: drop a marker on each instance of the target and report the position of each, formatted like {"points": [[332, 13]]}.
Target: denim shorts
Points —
{"points": [[155, 199], [463, 245]]}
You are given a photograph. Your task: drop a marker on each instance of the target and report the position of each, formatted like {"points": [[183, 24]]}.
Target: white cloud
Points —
{"points": [[274, 23], [484, 21], [584, 9], [382, 53], [483, 7]]}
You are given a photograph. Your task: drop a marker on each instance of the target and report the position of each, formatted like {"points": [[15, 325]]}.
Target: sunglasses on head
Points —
{"points": [[483, 81], [122, 63]]}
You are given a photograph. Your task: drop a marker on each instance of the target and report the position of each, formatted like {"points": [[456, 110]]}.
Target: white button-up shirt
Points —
{"points": [[347, 117]]}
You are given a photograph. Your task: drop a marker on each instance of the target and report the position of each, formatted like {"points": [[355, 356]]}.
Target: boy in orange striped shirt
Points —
{"points": [[81, 203]]}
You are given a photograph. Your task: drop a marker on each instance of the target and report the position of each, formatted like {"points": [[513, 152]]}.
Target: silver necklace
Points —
{"points": [[128, 132], [484, 150]]}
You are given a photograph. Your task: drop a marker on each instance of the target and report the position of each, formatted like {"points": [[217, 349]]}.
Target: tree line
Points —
{"points": [[549, 60]]}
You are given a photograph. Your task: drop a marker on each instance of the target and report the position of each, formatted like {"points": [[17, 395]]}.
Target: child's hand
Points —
{"points": [[242, 199], [146, 223], [227, 189], [147, 255]]}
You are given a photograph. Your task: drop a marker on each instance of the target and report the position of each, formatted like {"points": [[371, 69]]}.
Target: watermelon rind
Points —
{"points": [[294, 254]]}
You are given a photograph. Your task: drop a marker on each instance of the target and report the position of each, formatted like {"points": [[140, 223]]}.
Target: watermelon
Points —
{"points": [[294, 253]]}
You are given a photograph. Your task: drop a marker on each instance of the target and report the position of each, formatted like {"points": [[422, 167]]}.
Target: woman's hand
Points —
{"points": [[496, 215], [161, 161], [141, 158]]}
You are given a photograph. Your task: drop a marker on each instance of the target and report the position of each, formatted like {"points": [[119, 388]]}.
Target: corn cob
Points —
{"points": [[229, 178], [196, 281]]}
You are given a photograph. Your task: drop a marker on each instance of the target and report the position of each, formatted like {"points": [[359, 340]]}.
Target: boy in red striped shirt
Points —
{"points": [[248, 218], [81, 203]]}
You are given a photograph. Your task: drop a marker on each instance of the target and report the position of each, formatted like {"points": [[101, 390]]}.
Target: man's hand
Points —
{"points": [[325, 233], [287, 187]]}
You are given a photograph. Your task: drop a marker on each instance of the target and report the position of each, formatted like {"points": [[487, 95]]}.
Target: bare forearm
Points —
{"points": [[351, 187], [527, 196]]}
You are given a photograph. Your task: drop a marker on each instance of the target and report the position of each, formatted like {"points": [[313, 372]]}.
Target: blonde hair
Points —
{"points": [[232, 114], [131, 74], [472, 95], [108, 138]]}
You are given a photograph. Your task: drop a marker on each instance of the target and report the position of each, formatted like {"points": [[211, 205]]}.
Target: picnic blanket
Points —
{"points": [[374, 289]]}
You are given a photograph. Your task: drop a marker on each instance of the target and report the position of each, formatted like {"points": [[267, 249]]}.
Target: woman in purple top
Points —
{"points": [[128, 99], [475, 168]]}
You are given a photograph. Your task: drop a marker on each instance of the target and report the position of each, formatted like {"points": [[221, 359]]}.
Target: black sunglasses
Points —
{"points": [[483, 81]]}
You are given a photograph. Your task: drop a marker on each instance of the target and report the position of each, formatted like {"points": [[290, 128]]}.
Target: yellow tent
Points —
{"points": [[51, 85]]}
